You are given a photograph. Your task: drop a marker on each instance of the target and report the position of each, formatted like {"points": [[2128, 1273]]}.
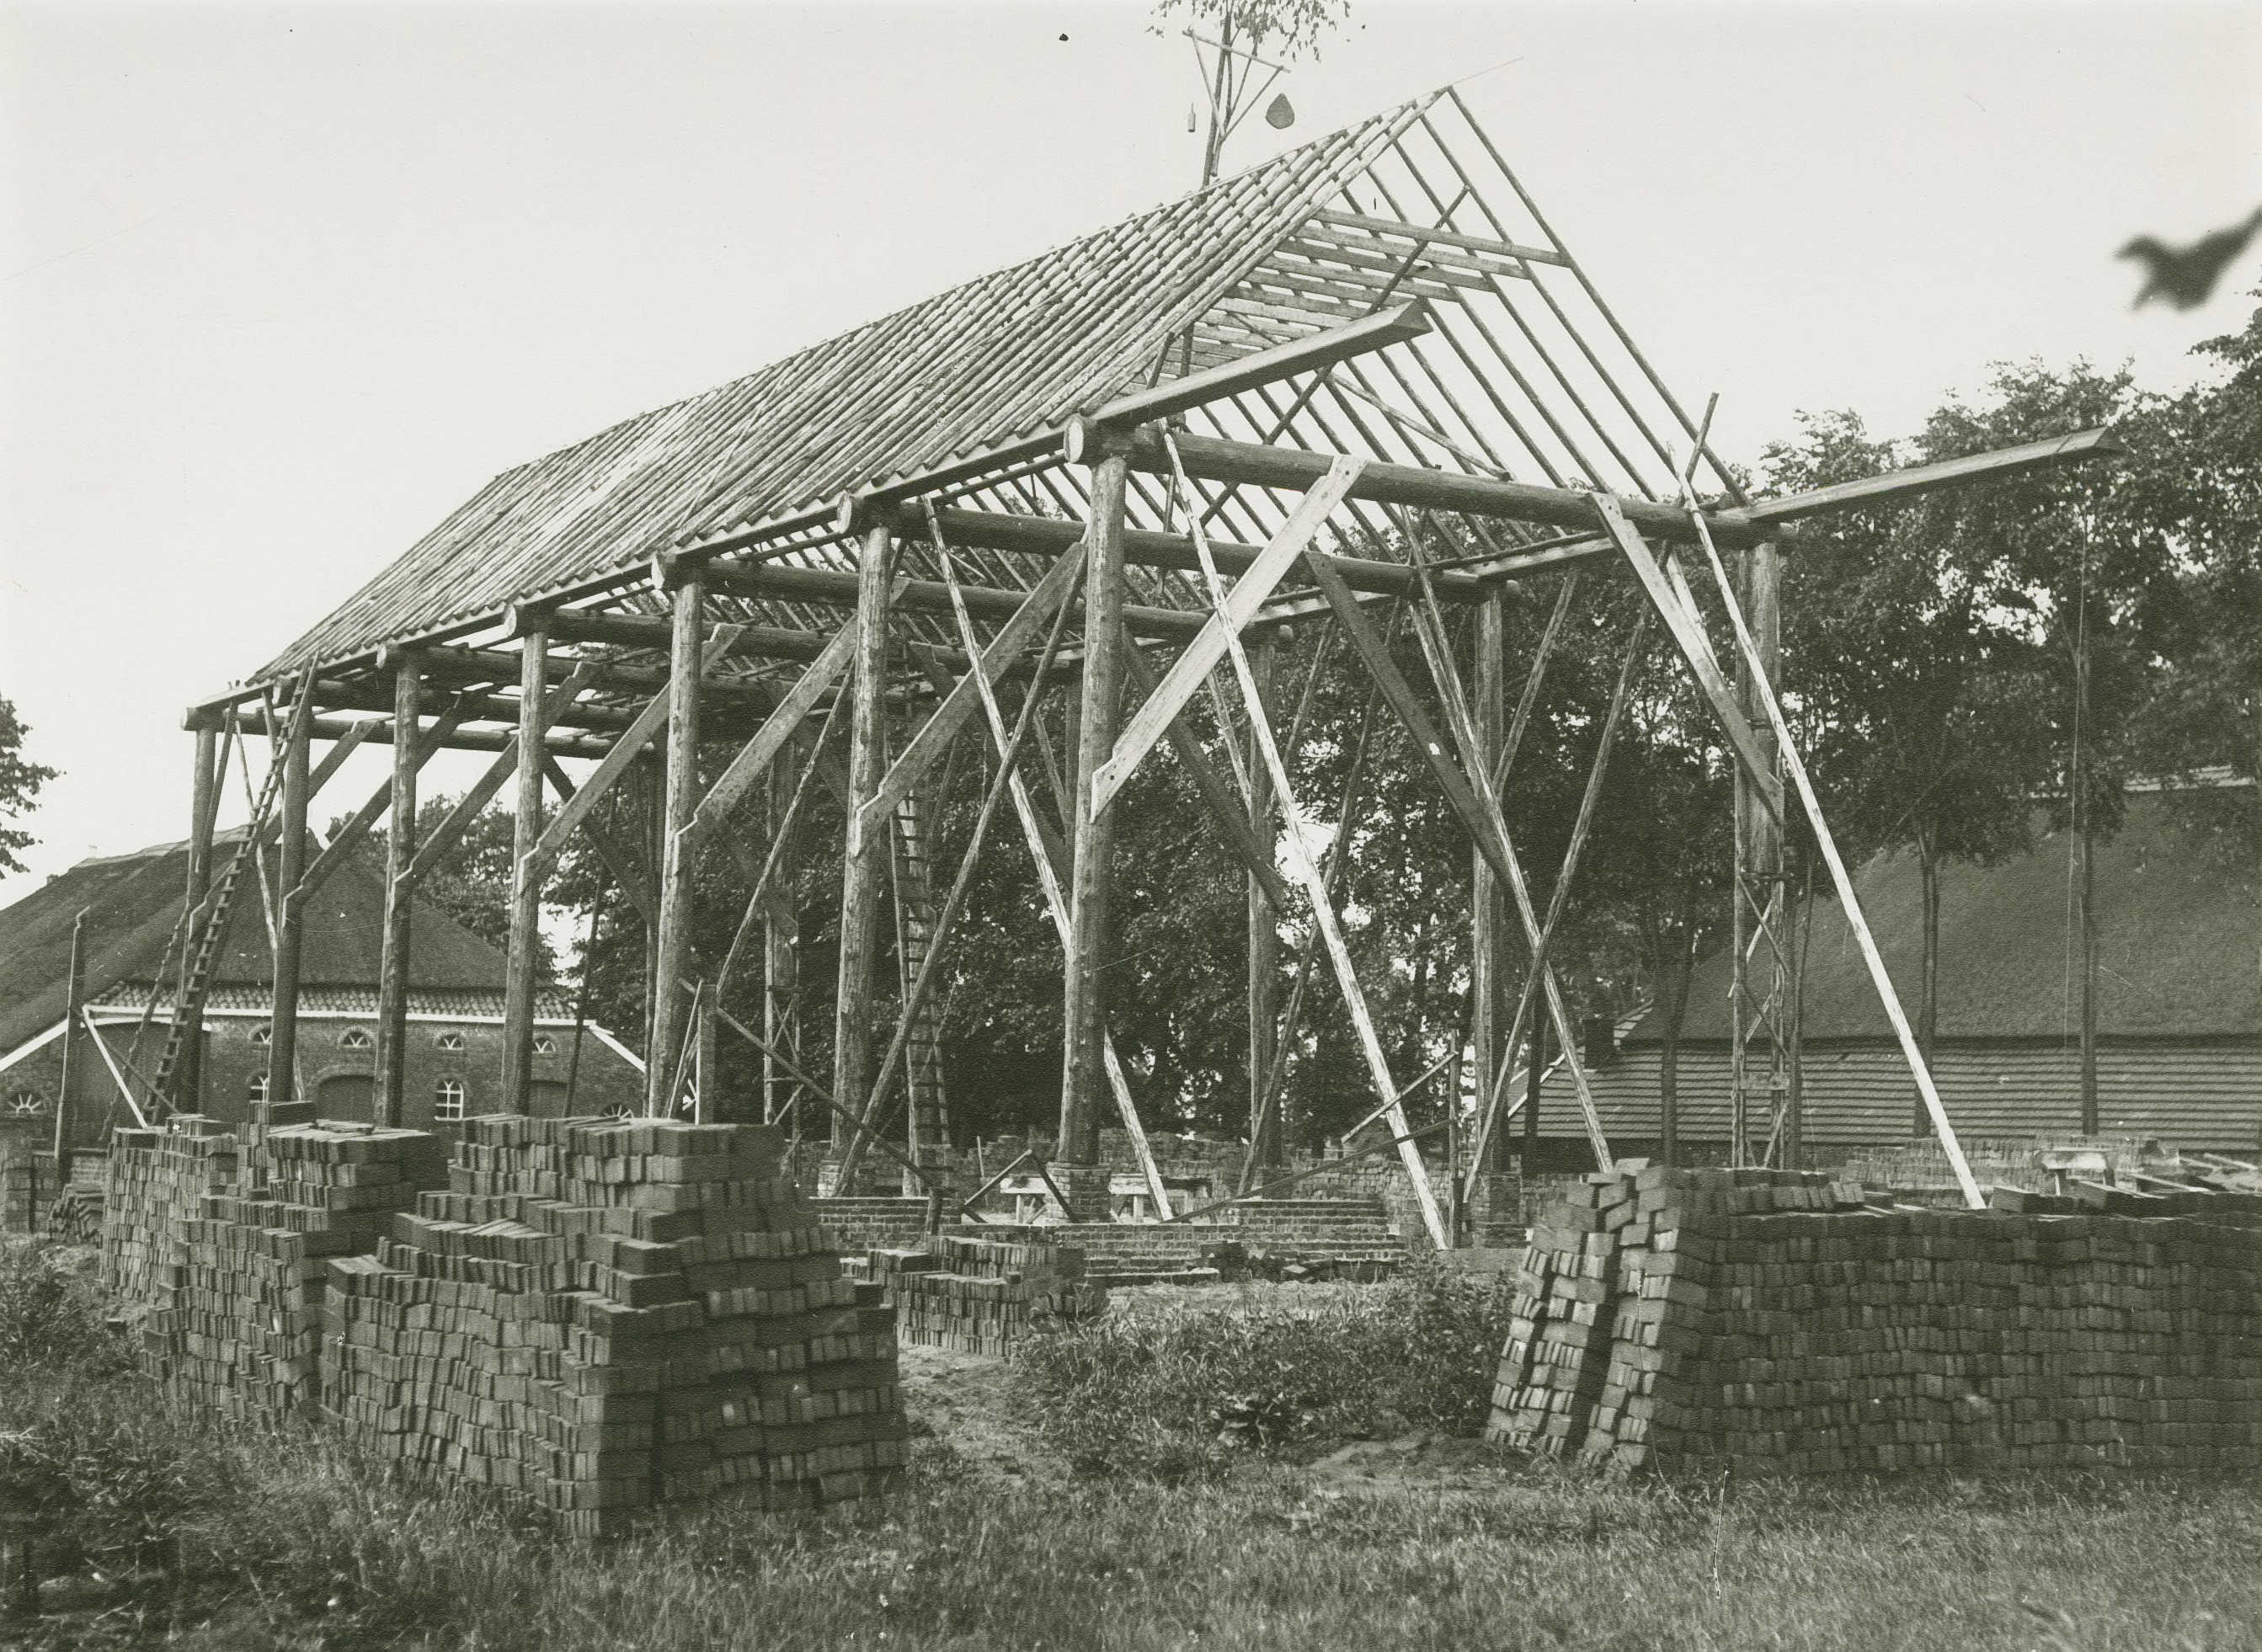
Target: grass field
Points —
{"points": [[1013, 1532]]}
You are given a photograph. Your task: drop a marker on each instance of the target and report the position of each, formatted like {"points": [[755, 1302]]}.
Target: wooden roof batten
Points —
{"points": [[1360, 295]]}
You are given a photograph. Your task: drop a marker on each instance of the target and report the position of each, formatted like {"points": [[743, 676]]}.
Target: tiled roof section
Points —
{"points": [[2204, 1095], [2178, 916], [459, 1004], [133, 902], [965, 373]]}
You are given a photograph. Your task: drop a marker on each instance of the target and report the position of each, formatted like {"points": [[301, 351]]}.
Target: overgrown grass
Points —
{"points": [[1180, 1394], [287, 1541]]}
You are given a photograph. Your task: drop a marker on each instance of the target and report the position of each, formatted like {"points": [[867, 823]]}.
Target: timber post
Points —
{"points": [[1489, 1031], [74, 992], [864, 864], [687, 596], [400, 855], [291, 910], [1761, 830], [204, 805], [1083, 1078], [1267, 1136], [525, 942]]}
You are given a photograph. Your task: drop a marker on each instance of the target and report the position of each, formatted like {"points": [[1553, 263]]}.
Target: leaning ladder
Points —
{"points": [[189, 1002], [930, 1114]]}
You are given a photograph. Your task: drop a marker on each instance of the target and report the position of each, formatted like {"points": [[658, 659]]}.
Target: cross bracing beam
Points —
{"points": [[379, 733], [833, 588]]}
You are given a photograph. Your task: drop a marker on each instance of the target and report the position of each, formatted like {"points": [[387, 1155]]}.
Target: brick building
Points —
{"points": [[133, 904]]}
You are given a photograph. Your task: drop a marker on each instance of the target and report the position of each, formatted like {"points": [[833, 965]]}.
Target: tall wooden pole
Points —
{"points": [[1763, 832], [291, 914], [1084, 1083], [204, 805], [864, 871], [781, 958], [400, 852], [669, 1007], [74, 991], [525, 945], [1487, 969], [1268, 1139]]}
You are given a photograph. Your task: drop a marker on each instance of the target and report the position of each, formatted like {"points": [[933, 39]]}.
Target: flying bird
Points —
{"points": [[2185, 276]]}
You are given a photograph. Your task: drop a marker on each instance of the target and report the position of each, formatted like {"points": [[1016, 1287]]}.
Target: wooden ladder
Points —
{"points": [[188, 1004], [930, 1113]]}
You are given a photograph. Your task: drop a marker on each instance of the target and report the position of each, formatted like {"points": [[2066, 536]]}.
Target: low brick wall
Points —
{"points": [[1771, 1322], [867, 1223]]}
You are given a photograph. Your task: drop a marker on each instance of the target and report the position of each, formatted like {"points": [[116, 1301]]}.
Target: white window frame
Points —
{"points": [[445, 1093]]}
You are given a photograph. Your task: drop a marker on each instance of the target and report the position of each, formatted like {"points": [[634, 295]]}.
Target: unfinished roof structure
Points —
{"points": [[1111, 472]]}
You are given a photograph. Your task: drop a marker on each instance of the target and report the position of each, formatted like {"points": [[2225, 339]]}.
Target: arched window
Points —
{"points": [[257, 1090], [23, 1104], [448, 1100], [354, 1039], [453, 1041], [545, 1044], [262, 1036]]}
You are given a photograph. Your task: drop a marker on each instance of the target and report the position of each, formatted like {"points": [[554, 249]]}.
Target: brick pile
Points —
{"points": [[154, 1186], [246, 1315], [604, 1316], [1771, 1322], [980, 1296]]}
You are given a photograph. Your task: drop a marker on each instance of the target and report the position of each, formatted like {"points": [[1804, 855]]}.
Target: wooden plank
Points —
{"points": [[941, 727], [1193, 666], [754, 759], [1451, 237], [1240, 825], [1893, 487], [1323, 914], [1687, 634], [1394, 326]]}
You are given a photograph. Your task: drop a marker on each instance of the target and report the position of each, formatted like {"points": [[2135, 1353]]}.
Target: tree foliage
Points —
{"points": [[19, 784]]}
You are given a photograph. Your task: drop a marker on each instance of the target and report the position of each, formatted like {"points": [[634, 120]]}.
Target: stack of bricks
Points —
{"points": [[1771, 1322], [155, 1185], [604, 1316], [980, 1296]]}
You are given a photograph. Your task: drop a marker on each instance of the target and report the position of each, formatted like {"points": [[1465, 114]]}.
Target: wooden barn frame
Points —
{"points": [[1109, 475]]}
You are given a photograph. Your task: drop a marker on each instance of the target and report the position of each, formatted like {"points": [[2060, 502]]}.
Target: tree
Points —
{"points": [[1240, 32], [1915, 686], [19, 784]]}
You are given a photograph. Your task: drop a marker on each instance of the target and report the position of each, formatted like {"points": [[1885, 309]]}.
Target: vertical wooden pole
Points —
{"points": [[864, 871], [782, 957], [1532, 1072], [1083, 1078], [651, 771], [669, 1011], [1488, 972], [1268, 1138], [525, 943], [400, 850], [1763, 829], [2090, 1121], [705, 1075], [74, 992], [291, 914], [189, 1069]]}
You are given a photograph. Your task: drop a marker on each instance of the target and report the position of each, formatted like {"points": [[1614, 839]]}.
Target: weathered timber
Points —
{"points": [[835, 588], [687, 666], [754, 759], [290, 918], [524, 941], [864, 866], [400, 850]]}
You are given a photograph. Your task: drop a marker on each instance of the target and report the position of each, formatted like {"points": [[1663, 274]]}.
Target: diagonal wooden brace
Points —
{"points": [[1185, 678], [756, 756]]}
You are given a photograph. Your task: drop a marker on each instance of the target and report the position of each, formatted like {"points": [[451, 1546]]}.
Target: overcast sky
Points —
{"points": [[280, 286]]}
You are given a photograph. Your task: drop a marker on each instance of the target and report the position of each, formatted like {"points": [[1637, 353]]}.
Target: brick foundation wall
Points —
{"points": [[1771, 1322], [981, 1295]]}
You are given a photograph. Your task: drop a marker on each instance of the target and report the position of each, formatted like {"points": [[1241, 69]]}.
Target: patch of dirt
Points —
{"points": [[962, 1408], [1430, 1461]]}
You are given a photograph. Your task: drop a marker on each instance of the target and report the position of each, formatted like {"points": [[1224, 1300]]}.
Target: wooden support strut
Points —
{"points": [[1478, 812], [863, 872], [1308, 873], [1192, 667], [348, 836], [753, 759], [524, 942], [1048, 856], [290, 921], [400, 850]]}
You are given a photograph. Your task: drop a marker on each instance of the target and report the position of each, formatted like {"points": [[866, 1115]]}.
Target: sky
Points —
{"points": [[282, 285]]}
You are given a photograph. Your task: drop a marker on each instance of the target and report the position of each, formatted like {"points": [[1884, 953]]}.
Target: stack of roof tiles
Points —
{"points": [[979, 1296], [604, 1316], [1771, 1322]]}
